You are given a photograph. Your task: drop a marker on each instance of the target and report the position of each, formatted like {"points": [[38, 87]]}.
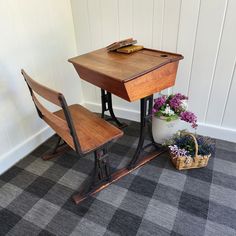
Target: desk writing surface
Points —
{"points": [[129, 76]]}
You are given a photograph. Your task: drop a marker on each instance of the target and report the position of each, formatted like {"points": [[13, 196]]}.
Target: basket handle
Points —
{"points": [[194, 139]]}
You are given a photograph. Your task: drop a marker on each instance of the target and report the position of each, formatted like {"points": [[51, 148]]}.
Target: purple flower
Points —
{"points": [[189, 117], [159, 102], [176, 101], [181, 96], [154, 110]]}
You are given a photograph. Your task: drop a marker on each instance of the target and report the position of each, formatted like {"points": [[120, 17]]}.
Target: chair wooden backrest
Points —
{"points": [[64, 128]]}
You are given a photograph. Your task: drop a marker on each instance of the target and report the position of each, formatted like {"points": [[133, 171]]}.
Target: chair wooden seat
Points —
{"points": [[92, 131], [80, 129]]}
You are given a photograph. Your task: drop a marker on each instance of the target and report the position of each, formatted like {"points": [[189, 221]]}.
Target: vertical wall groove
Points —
{"points": [[118, 14], [132, 18], [162, 23], [228, 93], [100, 9], [153, 3], [180, 11], [216, 60], [89, 24], [194, 47]]}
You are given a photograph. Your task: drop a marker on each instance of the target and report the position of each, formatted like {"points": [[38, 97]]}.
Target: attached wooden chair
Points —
{"points": [[80, 129]]}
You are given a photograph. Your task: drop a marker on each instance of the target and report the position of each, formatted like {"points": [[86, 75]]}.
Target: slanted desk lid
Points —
{"points": [[124, 67]]}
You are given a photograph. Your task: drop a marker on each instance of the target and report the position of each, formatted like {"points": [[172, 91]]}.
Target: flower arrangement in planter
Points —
{"points": [[168, 112], [189, 151]]}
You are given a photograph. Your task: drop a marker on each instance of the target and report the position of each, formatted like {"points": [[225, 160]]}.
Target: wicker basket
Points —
{"points": [[184, 163]]}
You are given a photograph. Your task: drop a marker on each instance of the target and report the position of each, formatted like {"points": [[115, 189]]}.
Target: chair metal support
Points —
{"points": [[99, 177], [58, 150], [107, 106], [102, 168]]}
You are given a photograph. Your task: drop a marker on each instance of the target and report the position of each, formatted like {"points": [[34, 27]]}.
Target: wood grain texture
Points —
{"points": [[132, 76], [122, 67], [43, 91], [152, 82], [91, 130], [102, 81]]}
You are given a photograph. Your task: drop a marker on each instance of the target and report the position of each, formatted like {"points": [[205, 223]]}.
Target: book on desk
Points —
{"points": [[125, 46]]}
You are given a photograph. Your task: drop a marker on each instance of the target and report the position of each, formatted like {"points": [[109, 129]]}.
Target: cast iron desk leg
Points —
{"points": [[107, 106], [145, 125]]}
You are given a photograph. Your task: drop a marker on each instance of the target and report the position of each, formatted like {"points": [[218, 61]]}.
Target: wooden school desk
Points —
{"points": [[129, 76]]}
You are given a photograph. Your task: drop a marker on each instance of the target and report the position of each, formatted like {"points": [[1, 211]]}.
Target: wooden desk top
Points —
{"points": [[129, 76], [124, 67]]}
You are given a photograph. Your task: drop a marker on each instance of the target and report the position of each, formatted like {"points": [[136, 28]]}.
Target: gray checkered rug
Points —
{"points": [[35, 196]]}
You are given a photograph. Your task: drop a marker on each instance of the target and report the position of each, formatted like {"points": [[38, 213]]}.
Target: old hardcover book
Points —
{"points": [[130, 49], [115, 43], [123, 43]]}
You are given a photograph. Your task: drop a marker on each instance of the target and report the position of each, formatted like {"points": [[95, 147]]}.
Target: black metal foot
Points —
{"points": [[58, 150], [101, 175], [102, 167]]}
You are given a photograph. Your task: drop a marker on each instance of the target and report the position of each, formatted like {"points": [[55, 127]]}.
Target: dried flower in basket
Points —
{"points": [[178, 152], [190, 151]]}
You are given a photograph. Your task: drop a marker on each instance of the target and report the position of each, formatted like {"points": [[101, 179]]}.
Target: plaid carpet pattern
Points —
{"points": [[35, 195]]}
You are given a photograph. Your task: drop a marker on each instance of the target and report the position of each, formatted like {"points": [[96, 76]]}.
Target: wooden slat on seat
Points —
{"points": [[92, 131]]}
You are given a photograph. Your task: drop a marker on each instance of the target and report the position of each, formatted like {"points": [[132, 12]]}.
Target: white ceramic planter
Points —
{"points": [[162, 129]]}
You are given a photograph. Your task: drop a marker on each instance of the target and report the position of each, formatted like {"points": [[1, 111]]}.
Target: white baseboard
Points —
{"points": [[7, 160], [203, 129]]}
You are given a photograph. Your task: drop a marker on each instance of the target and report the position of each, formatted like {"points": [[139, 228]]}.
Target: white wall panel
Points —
{"points": [[171, 25], [158, 24], [224, 69], [38, 37], [81, 23], [83, 34], [229, 117], [110, 27], [210, 26], [186, 42], [95, 23], [125, 18], [143, 21], [202, 30], [95, 26], [171, 20]]}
